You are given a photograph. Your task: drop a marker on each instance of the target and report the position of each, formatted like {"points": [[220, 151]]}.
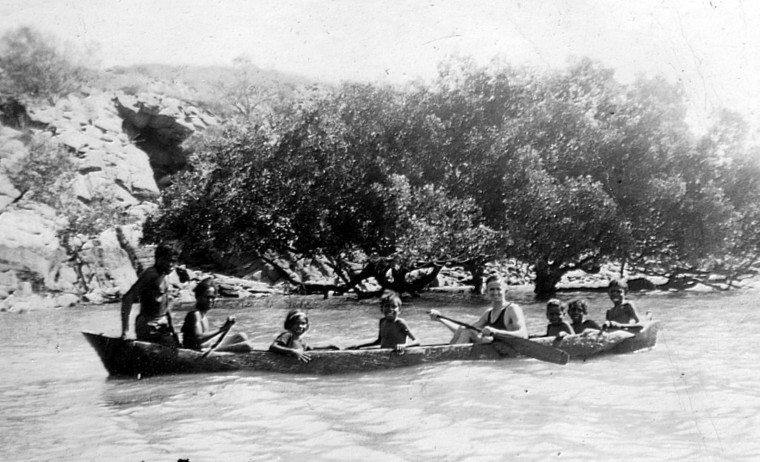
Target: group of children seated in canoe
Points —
{"points": [[154, 323], [394, 333]]}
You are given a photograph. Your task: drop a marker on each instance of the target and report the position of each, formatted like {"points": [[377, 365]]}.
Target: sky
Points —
{"points": [[712, 47]]}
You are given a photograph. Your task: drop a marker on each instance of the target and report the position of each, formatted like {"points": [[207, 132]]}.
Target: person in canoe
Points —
{"points": [[196, 334], [555, 313], [393, 331], [153, 323], [290, 342], [577, 309], [503, 317], [623, 314]]}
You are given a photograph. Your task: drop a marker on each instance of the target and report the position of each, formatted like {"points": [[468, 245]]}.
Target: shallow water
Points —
{"points": [[694, 397]]}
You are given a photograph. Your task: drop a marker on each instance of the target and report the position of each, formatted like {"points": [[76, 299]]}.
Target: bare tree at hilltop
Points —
{"points": [[250, 93]]}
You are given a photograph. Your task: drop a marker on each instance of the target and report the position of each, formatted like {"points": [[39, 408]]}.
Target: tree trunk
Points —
{"points": [[547, 278], [477, 269], [420, 283]]}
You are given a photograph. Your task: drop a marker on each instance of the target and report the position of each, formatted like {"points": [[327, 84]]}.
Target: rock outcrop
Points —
{"points": [[123, 146]]}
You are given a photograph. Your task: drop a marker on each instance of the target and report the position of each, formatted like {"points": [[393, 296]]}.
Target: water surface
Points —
{"points": [[694, 397]]}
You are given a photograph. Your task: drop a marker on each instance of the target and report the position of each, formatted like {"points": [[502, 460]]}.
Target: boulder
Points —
{"points": [[13, 151], [28, 243], [8, 193], [640, 283], [113, 268]]}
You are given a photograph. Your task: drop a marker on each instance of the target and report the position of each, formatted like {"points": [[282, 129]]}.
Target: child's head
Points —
{"points": [[390, 304], [296, 321], [577, 308], [555, 310], [617, 289], [205, 294]]}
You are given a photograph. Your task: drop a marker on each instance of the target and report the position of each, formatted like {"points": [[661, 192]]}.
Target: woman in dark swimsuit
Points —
{"points": [[503, 317]]}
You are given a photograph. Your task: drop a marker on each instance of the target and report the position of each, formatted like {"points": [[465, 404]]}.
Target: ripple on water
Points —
{"points": [[691, 398]]}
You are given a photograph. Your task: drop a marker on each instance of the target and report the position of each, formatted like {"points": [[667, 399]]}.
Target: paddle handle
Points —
{"points": [[463, 324], [218, 342]]}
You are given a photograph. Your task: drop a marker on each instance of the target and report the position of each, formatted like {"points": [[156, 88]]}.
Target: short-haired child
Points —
{"points": [[393, 331], [555, 313]]}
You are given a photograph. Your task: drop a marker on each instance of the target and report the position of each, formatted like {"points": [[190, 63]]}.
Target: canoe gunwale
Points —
{"points": [[133, 358]]}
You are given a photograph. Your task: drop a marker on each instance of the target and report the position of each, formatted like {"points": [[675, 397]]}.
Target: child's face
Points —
{"points": [[554, 314], [299, 326], [616, 294], [576, 313], [391, 310], [207, 299]]}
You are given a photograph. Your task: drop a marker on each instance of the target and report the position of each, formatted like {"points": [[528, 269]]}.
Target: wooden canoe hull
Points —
{"points": [[131, 358], [615, 342]]}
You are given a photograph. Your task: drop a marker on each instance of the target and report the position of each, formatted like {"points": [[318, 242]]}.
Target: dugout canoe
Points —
{"points": [[131, 358], [610, 342]]}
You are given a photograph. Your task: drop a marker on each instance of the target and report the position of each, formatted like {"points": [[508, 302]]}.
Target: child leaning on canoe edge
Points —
{"points": [[393, 332], [291, 343]]}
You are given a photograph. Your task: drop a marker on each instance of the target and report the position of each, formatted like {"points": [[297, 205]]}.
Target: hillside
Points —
{"points": [[205, 86]]}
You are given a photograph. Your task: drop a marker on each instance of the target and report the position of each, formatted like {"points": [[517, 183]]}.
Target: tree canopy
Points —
{"points": [[562, 170]]}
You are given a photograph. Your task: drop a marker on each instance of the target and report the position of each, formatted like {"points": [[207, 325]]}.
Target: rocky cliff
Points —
{"points": [[123, 147]]}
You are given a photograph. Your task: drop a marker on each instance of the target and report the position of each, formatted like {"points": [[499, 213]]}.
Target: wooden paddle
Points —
{"points": [[218, 342], [523, 346], [171, 328]]}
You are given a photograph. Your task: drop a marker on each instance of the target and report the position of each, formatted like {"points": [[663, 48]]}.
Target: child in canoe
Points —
{"points": [[555, 313], [622, 314], [394, 332], [290, 342], [577, 309], [196, 334]]}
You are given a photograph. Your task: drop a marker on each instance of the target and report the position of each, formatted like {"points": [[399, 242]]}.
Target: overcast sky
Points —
{"points": [[713, 47]]}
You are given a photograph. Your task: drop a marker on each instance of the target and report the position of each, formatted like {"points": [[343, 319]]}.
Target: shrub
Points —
{"points": [[46, 173], [33, 65]]}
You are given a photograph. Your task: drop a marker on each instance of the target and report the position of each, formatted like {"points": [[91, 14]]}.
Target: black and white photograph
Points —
{"points": [[392, 231]]}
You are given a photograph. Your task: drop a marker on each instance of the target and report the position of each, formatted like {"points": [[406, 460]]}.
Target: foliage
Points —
{"points": [[33, 65], [45, 173], [564, 170], [424, 224]]}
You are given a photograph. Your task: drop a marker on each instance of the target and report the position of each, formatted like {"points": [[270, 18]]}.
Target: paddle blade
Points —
{"points": [[534, 350]]}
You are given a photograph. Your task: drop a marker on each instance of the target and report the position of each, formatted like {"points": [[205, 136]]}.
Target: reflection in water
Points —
{"points": [[693, 397]]}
